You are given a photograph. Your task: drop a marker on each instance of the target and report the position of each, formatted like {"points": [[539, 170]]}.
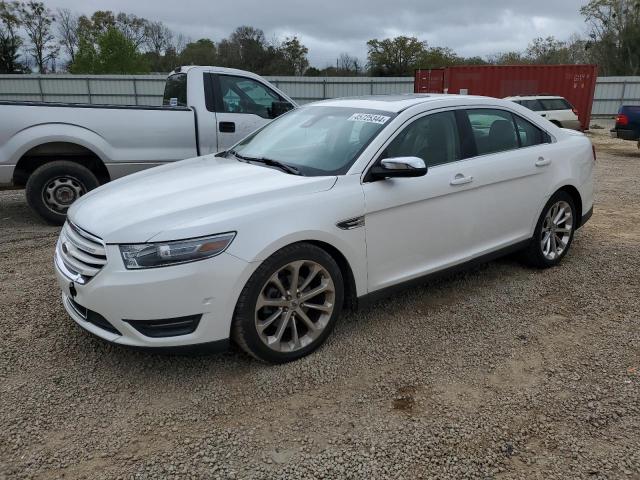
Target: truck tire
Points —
{"points": [[54, 186]]}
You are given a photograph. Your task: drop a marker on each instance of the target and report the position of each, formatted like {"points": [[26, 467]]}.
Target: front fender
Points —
{"points": [[350, 243]]}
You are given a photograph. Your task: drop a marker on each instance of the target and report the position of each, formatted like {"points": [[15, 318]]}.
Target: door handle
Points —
{"points": [[542, 162], [227, 127], [543, 114], [460, 179]]}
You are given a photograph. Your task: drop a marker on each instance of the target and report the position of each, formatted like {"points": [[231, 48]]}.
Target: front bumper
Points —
{"points": [[207, 289]]}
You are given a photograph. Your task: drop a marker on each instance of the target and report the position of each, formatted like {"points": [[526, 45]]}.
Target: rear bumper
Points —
{"points": [[625, 134], [572, 124]]}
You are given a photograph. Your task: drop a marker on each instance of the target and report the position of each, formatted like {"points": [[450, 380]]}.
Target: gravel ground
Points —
{"points": [[500, 372]]}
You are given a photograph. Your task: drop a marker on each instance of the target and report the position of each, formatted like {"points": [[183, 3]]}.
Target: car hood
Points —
{"points": [[191, 197]]}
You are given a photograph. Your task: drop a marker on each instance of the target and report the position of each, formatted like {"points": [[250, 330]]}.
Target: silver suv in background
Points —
{"points": [[554, 108]]}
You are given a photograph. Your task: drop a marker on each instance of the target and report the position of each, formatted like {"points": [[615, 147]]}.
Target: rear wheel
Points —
{"points": [[53, 187], [290, 304], [554, 232]]}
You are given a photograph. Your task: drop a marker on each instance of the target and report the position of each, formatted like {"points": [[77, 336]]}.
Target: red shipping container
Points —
{"points": [[576, 83]]}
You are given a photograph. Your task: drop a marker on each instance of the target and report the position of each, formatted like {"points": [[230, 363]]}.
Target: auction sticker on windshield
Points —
{"points": [[369, 118]]}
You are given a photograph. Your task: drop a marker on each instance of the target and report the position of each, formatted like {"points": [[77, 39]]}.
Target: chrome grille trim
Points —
{"points": [[82, 253]]}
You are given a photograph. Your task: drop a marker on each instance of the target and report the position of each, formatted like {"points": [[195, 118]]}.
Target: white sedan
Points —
{"points": [[326, 207]]}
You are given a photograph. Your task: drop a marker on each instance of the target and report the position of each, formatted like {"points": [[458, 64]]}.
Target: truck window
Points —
{"points": [[244, 95], [175, 91]]}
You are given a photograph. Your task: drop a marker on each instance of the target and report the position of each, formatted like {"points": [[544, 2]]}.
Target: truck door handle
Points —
{"points": [[542, 162], [460, 179], [543, 114], [227, 127]]}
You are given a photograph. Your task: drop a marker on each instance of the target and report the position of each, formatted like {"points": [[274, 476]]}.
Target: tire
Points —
{"points": [[275, 343], [536, 254], [54, 186]]}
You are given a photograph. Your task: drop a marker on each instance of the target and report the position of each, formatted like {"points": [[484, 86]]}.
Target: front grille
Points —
{"points": [[92, 317], [169, 327], [82, 253]]}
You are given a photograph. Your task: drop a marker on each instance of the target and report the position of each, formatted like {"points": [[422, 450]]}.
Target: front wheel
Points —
{"points": [[54, 186], [554, 232], [290, 304]]}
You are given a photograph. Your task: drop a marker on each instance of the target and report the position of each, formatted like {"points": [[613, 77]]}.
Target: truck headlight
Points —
{"points": [[162, 254]]}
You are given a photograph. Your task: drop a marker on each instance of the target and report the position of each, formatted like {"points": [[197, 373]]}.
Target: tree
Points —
{"points": [[10, 40], [394, 56], [37, 21], [201, 52], [68, 32], [348, 65], [438, 57], [294, 54], [133, 28], [112, 53], [158, 37], [614, 35], [508, 58], [547, 51]]}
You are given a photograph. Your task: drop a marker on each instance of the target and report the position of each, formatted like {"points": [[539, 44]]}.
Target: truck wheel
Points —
{"points": [[54, 186]]}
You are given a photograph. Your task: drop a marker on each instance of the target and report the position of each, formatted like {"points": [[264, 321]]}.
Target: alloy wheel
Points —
{"points": [[294, 306], [556, 230]]}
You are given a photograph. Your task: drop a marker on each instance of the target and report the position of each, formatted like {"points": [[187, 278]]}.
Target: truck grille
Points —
{"points": [[82, 253]]}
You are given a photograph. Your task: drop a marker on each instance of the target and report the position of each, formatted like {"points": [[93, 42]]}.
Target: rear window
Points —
{"points": [[175, 91], [555, 104]]}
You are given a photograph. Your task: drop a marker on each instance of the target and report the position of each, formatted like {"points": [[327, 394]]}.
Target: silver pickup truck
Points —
{"points": [[60, 151]]}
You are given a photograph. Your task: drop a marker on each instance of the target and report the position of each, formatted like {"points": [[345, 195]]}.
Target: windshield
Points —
{"points": [[316, 140]]}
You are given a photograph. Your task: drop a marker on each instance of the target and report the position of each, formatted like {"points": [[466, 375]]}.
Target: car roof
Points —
{"points": [[533, 97], [399, 103]]}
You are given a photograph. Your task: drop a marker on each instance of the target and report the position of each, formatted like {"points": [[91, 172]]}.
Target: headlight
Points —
{"points": [[150, 255]]}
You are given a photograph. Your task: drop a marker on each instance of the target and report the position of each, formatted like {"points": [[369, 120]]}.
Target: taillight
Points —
{"points": [[622, 119], [575, 112], [593, 149]]}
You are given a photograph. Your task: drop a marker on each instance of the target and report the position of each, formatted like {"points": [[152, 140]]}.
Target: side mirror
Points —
{"points": [[278, 108], [399, 167]]}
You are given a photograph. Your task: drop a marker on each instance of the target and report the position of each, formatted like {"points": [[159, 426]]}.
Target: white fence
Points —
{"points": [[611, 92]]}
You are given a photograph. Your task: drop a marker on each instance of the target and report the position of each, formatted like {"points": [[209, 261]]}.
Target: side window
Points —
{"points": [[244, 95], [555, 104], [493, 130], [532, 105], [433, 138], [530, 134]]}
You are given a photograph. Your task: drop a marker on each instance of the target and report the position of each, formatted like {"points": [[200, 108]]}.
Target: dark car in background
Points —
{"points": [[627, 123]]}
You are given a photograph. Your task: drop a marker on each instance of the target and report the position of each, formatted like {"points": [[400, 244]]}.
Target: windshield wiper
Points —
{"points": [[268, 161]]}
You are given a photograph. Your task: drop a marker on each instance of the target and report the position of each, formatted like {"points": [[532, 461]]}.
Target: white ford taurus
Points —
{"points": [[328, 205]]}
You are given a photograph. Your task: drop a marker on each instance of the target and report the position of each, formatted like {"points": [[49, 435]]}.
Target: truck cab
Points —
{"points": [[229, 103]]}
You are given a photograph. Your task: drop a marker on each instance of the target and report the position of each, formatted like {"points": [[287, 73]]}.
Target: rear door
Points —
{"points": [[242, 106], [511, 172]]}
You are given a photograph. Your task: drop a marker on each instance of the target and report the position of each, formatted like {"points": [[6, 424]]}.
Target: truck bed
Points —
{"points": [[126, 137]]}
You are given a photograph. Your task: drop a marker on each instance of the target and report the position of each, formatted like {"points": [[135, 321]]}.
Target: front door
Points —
{"points": [[418, 225], [243, 105]]}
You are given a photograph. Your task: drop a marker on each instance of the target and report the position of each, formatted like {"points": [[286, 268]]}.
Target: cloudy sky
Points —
{"points": [[329, 27]]}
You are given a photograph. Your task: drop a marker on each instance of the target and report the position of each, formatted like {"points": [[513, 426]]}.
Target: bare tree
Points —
{"points": [[37, 21], [158, 37], [134, 28], [349, 65], [68, 32]]}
